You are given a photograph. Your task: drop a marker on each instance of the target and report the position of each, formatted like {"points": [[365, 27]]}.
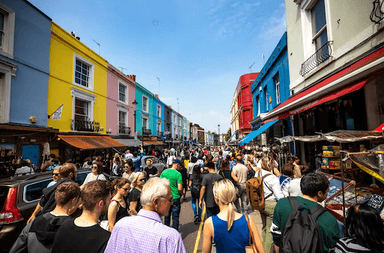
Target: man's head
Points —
{"points": [[68, 170], [127, 151], [67, 192], [315, 185], [210, 166], [56, 174], [157, 196], [176, 164], [56, 161], [96, 196], [239, 158]]}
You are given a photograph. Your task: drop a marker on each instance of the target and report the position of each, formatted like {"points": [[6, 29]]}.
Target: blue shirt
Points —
{"points": [[137, 162]]}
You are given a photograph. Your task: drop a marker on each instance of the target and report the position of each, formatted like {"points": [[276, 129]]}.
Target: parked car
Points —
{"points": [[156, 163], [18, 199]]}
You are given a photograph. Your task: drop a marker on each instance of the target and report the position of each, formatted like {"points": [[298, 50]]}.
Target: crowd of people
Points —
{"points": [[140, 210]]}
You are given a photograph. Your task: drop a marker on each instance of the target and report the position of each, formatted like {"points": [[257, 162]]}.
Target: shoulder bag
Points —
{"points": [[252, 245]]}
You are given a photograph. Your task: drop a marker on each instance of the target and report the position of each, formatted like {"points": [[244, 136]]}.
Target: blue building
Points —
{"points": [[270, 88], [158, 116], [24, 71], [184, 132], [144, 112]]}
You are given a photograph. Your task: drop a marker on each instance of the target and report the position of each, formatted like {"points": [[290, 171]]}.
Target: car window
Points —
{"points": [[3, 195], [81, 177], [34, 191]]}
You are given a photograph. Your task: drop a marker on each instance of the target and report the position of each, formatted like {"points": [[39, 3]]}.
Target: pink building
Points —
{"points": [[120, 95]]}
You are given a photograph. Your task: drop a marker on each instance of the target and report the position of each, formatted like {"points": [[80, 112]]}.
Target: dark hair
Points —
{"points": [[99, 167], [134, 153], [55, 160], [196, 170], [364, 222], [225, 166], [287, 169], [210, 165], [65, 192], [66, 169], [193, 159], [130, 163], [186, 156], [312, 183], [118, 183], [306, 170], [95, 191]]}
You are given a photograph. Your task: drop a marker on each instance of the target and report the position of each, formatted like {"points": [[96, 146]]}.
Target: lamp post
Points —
{"points": [[134, 103], [219, 134]]}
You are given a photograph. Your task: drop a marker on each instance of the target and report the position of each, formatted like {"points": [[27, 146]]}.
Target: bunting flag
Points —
{"points": [[57, 114]]}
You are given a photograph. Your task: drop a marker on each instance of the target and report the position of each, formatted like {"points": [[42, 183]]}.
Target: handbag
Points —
{"points": [[252, 245]]}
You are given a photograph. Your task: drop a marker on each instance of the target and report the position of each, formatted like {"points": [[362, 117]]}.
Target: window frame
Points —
{"points": [[277, 87], [266, 98], [7, 48], [82, 95], [258, 105], [91, 72], [147, 119], [126, 111], [147, 104], [158, 111], [126, 92]]}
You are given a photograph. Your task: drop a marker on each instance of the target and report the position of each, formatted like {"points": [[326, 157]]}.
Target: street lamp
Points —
{"points": [[219, 134], [134, 103]]}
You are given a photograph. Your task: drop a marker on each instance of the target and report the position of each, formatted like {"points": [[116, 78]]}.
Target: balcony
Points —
{"points": [[123, 129], [317, 58], [147, 131], [85, 125], [176, 136], [159, 134]]}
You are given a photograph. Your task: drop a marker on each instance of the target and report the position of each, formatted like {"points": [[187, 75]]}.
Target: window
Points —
{"points": [[7, 31], [83, 72], [168, 115], [34, 191], [319, 25], [158, 127], [266, 98], [145, 123], [145, 104], [123, 93], [276, 80], [83, 103], [122, 118], [81, 110], [258, 105], [158, 113]]}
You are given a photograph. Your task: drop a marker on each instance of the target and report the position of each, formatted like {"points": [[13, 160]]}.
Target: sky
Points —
{"points": [[198, 49]]}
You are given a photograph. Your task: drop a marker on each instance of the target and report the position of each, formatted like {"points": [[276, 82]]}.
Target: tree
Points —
{"points": [[228, 135]]}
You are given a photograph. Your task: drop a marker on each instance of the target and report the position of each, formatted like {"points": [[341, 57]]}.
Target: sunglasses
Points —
{"points": [[125, 189], [94, 167], [142, 180], [55, 174]]}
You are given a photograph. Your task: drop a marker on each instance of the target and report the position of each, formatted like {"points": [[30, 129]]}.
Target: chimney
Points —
{"points": [[78, 38], [157, 96], [133, 77]]}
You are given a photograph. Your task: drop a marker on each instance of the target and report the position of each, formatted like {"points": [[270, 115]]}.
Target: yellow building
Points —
{"points": [[78, 81]]}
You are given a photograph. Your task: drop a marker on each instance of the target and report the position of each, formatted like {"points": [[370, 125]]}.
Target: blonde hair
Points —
{"points": [[225, 193], [135, 178], [267, 163]]}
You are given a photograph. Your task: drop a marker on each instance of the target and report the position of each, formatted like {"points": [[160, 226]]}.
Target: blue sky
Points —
{"points": [[198, 49]]}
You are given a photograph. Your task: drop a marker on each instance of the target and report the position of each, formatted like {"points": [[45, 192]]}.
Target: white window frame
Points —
{"points": [[9, 71], [80, 94], [158, 111], [91, 72], [158, 124], [9, 32], [277, 87], [258, 105], [147, 118], [307, 26], [122, 109], [266, 98], [144, 96], [126, 92]]}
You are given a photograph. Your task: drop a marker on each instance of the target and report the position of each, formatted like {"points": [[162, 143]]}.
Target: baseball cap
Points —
{"points": [[176, 161]]}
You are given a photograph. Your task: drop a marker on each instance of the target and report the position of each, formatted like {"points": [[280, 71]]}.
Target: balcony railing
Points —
{"points": [[123, 129], [176, 136], [147, 131], [159, 134], [317, 58], [85, 125]]}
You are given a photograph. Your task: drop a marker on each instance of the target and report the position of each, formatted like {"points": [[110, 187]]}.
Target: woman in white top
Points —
{"points": [[96, 174], [129, 170]]}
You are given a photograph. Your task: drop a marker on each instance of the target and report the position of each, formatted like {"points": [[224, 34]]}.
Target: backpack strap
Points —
{"points": [[317, 211], [294, 203]]}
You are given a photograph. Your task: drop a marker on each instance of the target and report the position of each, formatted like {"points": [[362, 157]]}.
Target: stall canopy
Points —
{"points": [[342, 136], [158, 143], [86, 142], [252, 135], [130, 142]]}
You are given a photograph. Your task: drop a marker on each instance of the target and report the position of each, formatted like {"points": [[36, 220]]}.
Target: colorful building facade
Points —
{"points": [[144, 112], [158, 116]]}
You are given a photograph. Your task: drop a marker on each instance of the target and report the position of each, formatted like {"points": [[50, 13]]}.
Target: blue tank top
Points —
{"points": [[231, 241]]}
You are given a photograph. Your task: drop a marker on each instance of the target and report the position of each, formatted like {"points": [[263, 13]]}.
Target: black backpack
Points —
{"points": [[301, 232]]}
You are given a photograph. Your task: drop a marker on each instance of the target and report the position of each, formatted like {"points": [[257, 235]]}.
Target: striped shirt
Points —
{"points": [[144, 233]]}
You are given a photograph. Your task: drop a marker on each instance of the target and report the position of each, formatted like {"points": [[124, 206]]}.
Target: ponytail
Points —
{"points": [[230, 215]]}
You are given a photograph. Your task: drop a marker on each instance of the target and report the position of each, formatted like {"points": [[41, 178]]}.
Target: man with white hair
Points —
{"points": [[145, 232]]}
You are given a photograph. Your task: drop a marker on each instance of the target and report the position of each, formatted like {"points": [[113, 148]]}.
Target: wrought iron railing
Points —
{"points": [[85, 125], [123, 129], [316, 59], [168, 136], [377, 13], [147, 131]]}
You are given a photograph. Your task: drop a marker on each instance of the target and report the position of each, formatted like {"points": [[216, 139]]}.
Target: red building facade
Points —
{"points": [[244, 103]]}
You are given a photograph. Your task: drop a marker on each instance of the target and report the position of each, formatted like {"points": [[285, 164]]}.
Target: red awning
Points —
{"points": [[380, 128], [336, 94], [86, 142]]}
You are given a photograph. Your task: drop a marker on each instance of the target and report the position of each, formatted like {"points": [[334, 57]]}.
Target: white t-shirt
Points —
{"points": [[24, 170], [270, 182], [90, 177], [171, 159], [292, 188]]}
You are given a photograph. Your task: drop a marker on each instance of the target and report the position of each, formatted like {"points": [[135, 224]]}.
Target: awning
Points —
{"points": [[380, 128], [154, 143], [252, 135], [86, 142], [130, 142], [336, 94]]}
